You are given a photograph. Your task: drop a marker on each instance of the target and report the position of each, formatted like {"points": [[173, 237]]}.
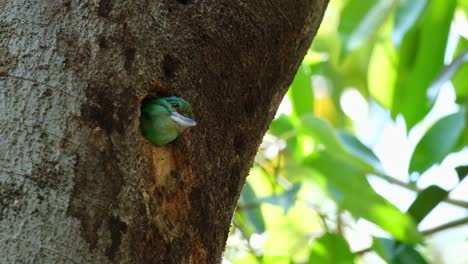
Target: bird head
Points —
{"points": [[180, 112]]}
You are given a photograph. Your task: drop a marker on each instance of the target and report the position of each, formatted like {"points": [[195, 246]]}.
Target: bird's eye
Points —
{"points": [[179, 109]]}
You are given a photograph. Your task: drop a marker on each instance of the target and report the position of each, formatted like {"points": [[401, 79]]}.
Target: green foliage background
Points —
{"points": [[310, 182]]}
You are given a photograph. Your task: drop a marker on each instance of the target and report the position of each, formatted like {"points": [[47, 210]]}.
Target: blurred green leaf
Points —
{"points": [[407, 14], [282, 127], [421, 59], [329, 44], [463, 4], [359, 20], [359, 150], [340, 144], [382, 73], [407, 254], [297, 143], [277, 260], [354, 70], [301, 92], [323, 132], [314, 57], [332, 249], [397, 253], [351, 191], [248, 258], [384, 247], [250, 219], [287, 233], [389, 50], [426, 200], [438, 142], [305, 146], [285, 200], [462, 171], [460, 78]]}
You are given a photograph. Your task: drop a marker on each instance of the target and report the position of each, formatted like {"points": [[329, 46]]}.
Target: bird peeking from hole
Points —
{"points": [[163, 119]]}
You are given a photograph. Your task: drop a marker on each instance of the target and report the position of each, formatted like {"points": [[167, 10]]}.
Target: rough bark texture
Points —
{"points": [[78, 183]]}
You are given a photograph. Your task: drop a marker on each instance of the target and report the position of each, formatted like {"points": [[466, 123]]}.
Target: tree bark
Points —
{"points": [[78, 182]]}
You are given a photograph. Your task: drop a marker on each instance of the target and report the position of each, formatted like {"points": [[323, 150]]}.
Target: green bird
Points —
{"points": [[163, 119]]}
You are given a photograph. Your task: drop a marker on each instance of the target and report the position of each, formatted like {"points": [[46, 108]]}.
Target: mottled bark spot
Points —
{"points": [[251, 105], [105, 7], [48, 175], [100, 113], [201, 214], [235, 178], [159, 88], [6, 61], [129, 55], [170, 66], [10, 196], [240, 144], [102, 42], [184, 2], [97, 183], [116, 229], [67, 4]]}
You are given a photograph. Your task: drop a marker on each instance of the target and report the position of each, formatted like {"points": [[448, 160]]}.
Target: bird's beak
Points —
{"points": [[182, 121]]}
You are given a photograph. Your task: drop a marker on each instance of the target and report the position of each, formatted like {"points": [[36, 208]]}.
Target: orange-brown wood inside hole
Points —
{"points": [[166, 197]]}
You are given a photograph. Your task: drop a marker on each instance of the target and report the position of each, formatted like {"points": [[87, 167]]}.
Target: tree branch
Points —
{"points": [[427, 232], [445, 226], [417, 190]]}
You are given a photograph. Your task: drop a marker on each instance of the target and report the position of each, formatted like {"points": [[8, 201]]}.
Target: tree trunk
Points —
{"points": [[78, 182]]}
